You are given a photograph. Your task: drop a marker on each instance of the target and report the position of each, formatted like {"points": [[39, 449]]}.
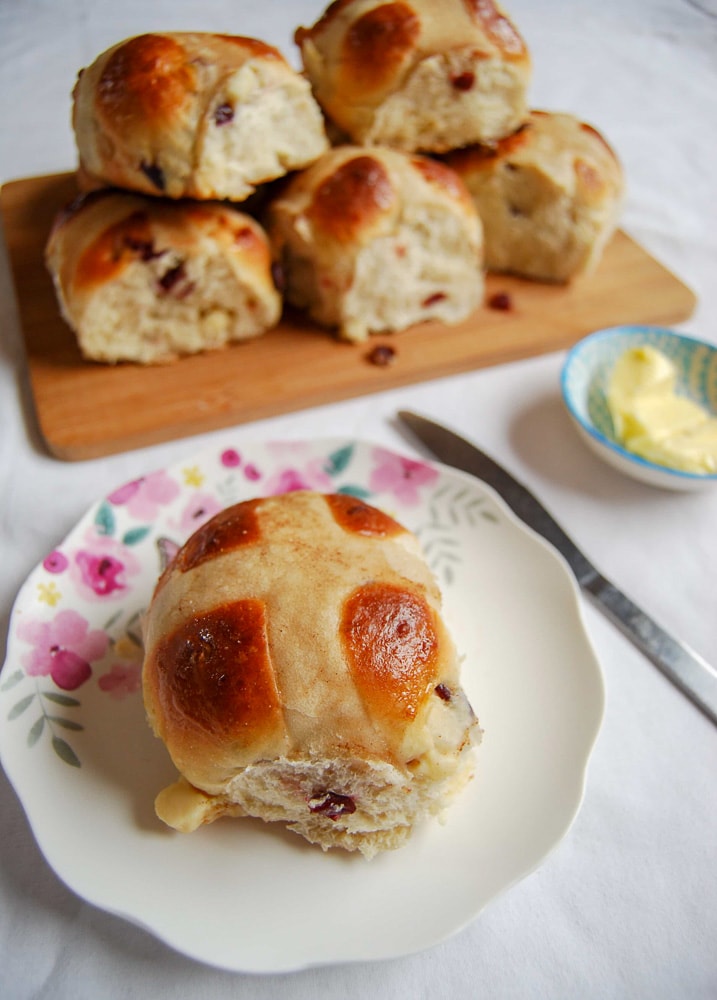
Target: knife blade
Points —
{"points": [[687, 670]]}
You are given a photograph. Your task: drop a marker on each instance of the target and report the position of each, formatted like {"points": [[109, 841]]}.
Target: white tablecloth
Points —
{"points": [[627, 905]]}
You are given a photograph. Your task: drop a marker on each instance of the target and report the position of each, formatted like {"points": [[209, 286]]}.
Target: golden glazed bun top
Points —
{"points": [[569, 152], [193, 114], [97, 238], [351, 195], [549, 196], [303, 626], [374, 239], [417, 74]]}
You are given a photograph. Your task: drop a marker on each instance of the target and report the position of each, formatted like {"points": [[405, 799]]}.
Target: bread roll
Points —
{"points": [[147, 280], [549, 196], [193, 115], [374, 240], [427, 75], [298, 669]]}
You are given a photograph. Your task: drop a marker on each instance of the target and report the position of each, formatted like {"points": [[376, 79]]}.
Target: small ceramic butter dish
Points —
{"points": [[584, 383]]}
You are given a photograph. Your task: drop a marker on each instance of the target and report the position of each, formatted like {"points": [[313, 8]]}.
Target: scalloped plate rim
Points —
{"points": [[373, 950]]}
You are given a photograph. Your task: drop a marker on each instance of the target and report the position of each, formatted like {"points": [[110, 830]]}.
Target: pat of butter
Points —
{"points": [[186, 808], [652, 421], [692, 451], [657, 415], [182, 806]]}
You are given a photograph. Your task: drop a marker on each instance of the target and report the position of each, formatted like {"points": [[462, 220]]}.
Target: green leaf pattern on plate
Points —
{"points": [[447, 509]]}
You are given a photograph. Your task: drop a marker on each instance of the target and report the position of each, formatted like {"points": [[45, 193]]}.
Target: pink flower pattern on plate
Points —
{"points": [[101, 570], [200, 507], [122, 680], [403, 477], [143, 497], [63, 648], [55, 562], [310, 476], [100, 573], [230, 458]]}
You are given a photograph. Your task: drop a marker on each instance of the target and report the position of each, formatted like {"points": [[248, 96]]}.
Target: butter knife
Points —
{"points": [[684, 667]]}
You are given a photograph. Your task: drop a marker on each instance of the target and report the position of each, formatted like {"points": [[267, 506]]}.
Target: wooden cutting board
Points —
{"points": [[85, 410]]}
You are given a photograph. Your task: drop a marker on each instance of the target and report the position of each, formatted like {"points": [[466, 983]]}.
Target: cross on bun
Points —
{"points": [[373, 240], [298, 669], [147, 280], [193, 115], [549, 196], [428, 75]]}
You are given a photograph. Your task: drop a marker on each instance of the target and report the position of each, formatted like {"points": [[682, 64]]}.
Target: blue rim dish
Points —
{"points": [[587, 366]]}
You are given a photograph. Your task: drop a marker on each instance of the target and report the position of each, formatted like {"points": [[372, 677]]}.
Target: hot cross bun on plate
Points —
{"points": [[298, 669]]}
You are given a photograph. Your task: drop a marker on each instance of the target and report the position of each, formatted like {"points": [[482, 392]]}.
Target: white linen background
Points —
{"points": [[627, 905]]}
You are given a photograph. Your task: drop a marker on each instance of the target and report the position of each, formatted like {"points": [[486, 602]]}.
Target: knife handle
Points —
{"points": [[685, 668]]}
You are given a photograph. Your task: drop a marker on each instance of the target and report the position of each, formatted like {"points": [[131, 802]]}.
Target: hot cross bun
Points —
{"points": [[549, 196], [148, 280], [298, 669], [193, 115], [374, 240], [417, 75]]}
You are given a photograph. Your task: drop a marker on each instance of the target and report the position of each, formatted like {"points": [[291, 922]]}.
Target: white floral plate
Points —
{"points": [[240, 894]]}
